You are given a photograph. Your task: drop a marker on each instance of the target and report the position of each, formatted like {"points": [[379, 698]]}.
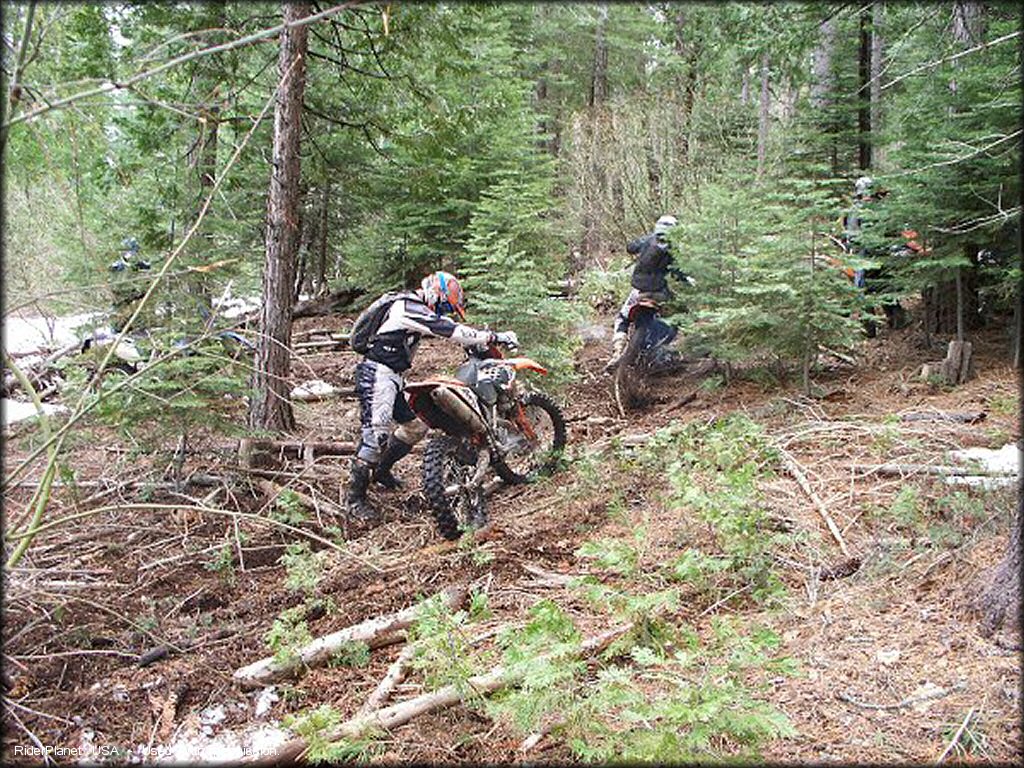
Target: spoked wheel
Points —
{"points": [[448, 467], [537, 441], [631, 375]]}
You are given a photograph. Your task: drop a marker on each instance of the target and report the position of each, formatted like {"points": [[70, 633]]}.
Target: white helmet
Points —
{"points": [[664, 224], [863, 185]]}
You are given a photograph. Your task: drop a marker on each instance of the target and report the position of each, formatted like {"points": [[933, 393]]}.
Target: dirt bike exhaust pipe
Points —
{"points": [[456, 407]]}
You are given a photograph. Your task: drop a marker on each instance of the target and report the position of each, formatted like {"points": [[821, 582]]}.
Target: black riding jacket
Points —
{"points": [[653, 263], [406, 323]]}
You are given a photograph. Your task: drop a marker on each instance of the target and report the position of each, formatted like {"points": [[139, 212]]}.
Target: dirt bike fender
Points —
{"points": [[525, 363]]}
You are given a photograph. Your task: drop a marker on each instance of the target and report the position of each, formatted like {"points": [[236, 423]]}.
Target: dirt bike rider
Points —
{"points": [[379, 380], [653, 262], [127, 290]]}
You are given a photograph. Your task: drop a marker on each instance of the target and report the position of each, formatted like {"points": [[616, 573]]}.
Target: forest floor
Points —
{"points": [[889, 663]]}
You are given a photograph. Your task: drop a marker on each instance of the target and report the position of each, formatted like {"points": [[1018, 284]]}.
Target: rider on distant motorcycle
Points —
{"points": [[653, 263], [380, 384], [126, 288]]}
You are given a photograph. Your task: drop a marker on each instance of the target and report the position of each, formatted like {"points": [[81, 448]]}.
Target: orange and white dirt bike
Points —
{"points": [[490, 421]]}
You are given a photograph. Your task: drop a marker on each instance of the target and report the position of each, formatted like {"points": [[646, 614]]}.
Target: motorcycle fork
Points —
{"points": [[524, 423]]}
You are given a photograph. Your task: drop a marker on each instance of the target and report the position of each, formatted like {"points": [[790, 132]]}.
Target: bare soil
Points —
{"points": [[94, 595]]}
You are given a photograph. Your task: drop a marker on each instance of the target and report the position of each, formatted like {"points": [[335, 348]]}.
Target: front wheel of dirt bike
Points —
{"points": [[542, 432], [448, 467], [630, 376]]}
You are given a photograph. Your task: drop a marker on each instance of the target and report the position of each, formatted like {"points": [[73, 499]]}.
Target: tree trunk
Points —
{"points": [[321, 286], [269, 407], [762, 121], [202, 157], [599, 73], [864, 91], [821, 82], [1000, 597], [596, 184], [968, 28], [688, 53], [877, 58], [823, 87]]}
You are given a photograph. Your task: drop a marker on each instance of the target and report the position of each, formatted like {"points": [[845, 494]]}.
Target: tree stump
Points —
{"points": [[957, 368]]}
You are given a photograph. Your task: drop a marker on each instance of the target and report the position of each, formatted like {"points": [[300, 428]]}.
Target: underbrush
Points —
{"points": [[678, 685]]}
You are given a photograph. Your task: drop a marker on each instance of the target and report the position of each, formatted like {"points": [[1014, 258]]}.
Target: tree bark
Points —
{"points": [[321, 286], [864, 91], [599, 73], [762, 121], [877, 59], [821, 67], [688, 52], [1000, 598], [270, 408], [968, 29], [202, 157]]}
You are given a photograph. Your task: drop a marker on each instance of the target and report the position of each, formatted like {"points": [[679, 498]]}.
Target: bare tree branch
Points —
{"points": [[108, 86], [954, 57]]}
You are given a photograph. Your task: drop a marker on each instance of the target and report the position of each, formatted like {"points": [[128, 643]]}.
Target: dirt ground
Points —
{"points": [[874, 646]]}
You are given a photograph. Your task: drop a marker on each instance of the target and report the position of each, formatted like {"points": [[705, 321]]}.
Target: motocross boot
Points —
{"points": [[618, 347], [395, 451], [357, 505]]}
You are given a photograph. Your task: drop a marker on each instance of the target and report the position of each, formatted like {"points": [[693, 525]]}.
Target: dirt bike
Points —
{"points": [[490, 421], [646, 354]]}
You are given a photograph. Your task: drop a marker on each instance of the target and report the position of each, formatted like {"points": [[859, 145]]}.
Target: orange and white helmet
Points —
{"points": [[443, 293]]}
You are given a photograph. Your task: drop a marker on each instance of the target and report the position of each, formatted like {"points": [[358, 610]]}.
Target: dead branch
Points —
{"points": [[905, 470], [395, 675], [401, 713], [262, 453], [164, 650], [793, 468], [938, 693], [956, 736], [963, 417], [374, 632], [275, 490]]}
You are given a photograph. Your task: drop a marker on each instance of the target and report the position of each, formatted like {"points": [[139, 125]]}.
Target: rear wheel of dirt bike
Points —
{"points": [[541, 451], [448, 466], [630, 376]]}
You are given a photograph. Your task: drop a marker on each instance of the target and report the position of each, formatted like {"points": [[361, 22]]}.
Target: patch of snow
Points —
{"points": [[1005, 460], [28, 334], [314, 388], [266, 700], [887, 657], [235, 306], [16, 411], [213, 715], [225, 747]]}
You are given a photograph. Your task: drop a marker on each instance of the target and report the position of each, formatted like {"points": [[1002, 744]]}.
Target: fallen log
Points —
{"points": [[322, 345], [377, 632], [259, 453], [338, 301], [396, 674], [793, 468], [905, 470], [963, 417], [402, 712]]}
